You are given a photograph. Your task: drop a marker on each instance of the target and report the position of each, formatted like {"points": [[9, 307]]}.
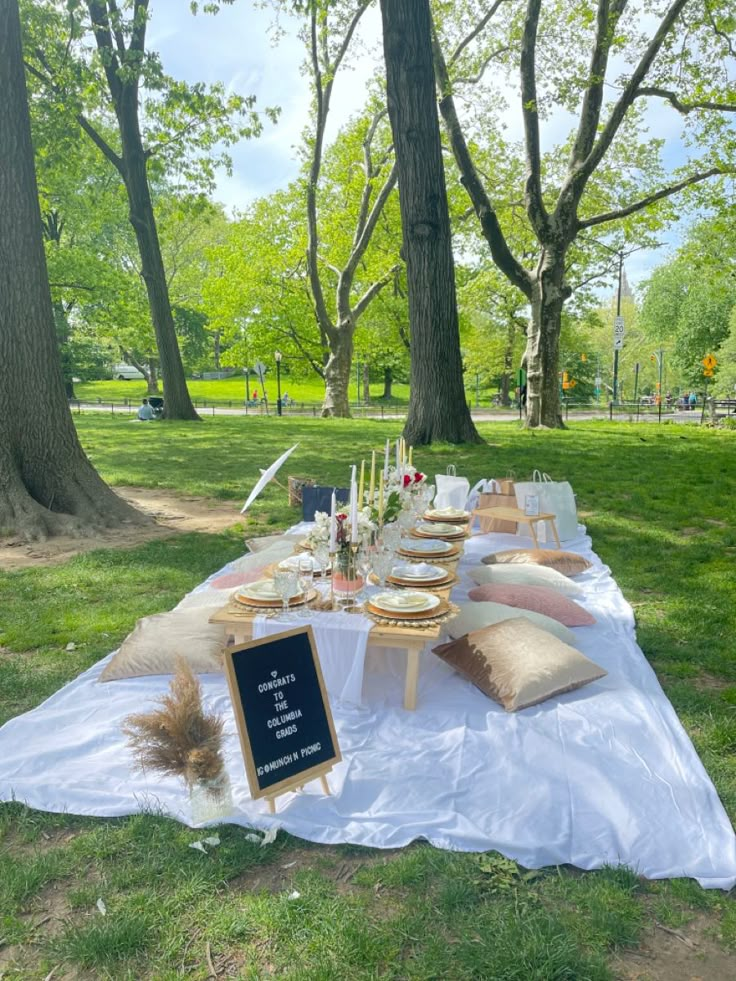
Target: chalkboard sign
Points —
{"points": [[281, 709]]}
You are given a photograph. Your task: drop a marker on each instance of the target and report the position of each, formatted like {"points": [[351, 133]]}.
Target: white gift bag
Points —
{"points": [[452, 491], [555, 497]]}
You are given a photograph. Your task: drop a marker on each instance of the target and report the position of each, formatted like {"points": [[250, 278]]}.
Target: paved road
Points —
{"points": [[481, 415]]}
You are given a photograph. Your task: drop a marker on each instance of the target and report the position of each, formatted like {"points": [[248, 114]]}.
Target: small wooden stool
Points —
{"points": [[518, 515]]}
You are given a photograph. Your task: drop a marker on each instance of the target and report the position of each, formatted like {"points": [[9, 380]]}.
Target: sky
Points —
{"points": [[236, 47]]}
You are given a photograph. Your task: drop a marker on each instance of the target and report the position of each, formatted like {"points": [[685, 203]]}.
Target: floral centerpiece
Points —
{"points": [[399, 489]]}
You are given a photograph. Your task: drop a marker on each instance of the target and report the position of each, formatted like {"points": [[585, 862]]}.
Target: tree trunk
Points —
{"points": [[437, 406], [388, 379], [47, 484], [152, 379], [543, 346], [178, 404], [337, 375], [508, 363], [216, 350]]}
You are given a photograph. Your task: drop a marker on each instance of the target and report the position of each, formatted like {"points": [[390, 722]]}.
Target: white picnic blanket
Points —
{"points": [[605, 774]]}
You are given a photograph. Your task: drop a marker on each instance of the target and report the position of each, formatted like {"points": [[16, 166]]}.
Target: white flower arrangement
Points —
{"points": [[320, 534]]}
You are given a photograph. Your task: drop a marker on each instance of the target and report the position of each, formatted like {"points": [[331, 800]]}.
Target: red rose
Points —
{"points": [[407, 480], [418, 476], [341, 517]]}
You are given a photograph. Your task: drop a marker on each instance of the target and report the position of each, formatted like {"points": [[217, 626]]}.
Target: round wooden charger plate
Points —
{"points": [[446, 537], [256, 604], [447, 580], [435, 557], [447, 521], [436, 611]]}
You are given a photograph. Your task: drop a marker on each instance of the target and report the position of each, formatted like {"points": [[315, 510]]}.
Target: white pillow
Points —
{"points": [[524, 575], [153, 645], [475, 616]]}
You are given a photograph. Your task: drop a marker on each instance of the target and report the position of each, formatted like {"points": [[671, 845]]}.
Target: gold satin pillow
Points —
{"points": [[568, 563], [517, 664]]}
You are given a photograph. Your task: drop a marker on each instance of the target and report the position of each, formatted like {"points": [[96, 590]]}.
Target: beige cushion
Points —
{"points": [[267, 541], [517, 664], [568, 563], [153, 645], [475, 616], [537, 598], [524, 575]]}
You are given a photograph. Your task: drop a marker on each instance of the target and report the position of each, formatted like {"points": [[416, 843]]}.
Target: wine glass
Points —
{"points": [[391, 535], [321, 555], [286, 583], [306, 578], [382, 562]]}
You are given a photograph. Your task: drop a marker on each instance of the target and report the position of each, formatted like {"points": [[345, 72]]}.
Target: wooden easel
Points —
{"points": [[300, 784]]}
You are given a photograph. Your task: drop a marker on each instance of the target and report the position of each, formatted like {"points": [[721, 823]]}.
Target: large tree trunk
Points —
{"points": [[178, 404], [543, 347], [47, 484], [388, 380], [337, 375], [437, 406]]}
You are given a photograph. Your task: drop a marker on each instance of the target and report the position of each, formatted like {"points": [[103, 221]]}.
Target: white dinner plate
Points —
{"points": [[418, 571], [430, 546], [448, 513], [293, 563], [263, 589], [438, 528], [410, 602]]}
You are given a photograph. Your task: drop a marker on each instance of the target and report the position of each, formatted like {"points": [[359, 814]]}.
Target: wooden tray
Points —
{"points": [[436, 611], [256, 604]]}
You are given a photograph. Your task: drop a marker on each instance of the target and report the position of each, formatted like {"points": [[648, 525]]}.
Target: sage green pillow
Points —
{"points": [[475, 616]]}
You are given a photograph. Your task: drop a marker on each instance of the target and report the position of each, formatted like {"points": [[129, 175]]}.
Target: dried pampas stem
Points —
{"points": [[178, 738]]}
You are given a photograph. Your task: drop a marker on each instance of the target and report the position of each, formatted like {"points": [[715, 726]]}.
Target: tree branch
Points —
{"points": [[103, 38], [530, 111], [685, 107], [373, 290], [490, 227], [649, 199], [480, 26], [629, 93], [101, 144]]}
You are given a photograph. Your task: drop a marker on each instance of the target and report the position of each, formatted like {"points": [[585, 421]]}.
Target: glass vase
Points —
{"points": [[211, 799], [346, 580]]}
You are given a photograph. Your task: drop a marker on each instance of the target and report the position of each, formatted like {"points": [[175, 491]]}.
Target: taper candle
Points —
{"points": [[372, 487], [361, 485], [333, 524], [380, 498]]}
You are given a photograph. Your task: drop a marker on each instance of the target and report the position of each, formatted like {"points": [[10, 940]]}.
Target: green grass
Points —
{"points": [[658, 502], [232, 389]]}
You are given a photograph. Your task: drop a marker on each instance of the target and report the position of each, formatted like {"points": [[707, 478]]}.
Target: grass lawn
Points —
{"points": [[658, 502], [232, 389]]}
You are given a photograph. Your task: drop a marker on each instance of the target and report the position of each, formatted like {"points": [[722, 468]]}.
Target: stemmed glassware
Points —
{"points": [[391, 535], [306, 578], [286, 583], [382, 562]]}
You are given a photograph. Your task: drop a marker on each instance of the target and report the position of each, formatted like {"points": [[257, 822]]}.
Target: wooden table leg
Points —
{"points": [[551, 521], [412, 678], [533, 530]]}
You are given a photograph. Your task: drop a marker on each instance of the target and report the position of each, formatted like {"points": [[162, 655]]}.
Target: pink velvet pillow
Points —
{"points": [[540, 599]]}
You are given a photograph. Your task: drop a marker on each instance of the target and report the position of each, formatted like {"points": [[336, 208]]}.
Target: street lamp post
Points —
{"points": [[618, 316], [277, 357]]}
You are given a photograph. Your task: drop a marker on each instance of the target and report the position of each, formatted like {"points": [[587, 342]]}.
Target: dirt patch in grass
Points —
{"points": [[172, 513], [691, 953], [331, 862]]}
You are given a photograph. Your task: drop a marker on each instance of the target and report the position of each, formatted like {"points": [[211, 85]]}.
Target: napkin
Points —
{"points": [[403, 601]]}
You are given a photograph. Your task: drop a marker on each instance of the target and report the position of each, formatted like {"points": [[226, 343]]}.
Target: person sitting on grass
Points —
{"points": [[145, 413]]}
